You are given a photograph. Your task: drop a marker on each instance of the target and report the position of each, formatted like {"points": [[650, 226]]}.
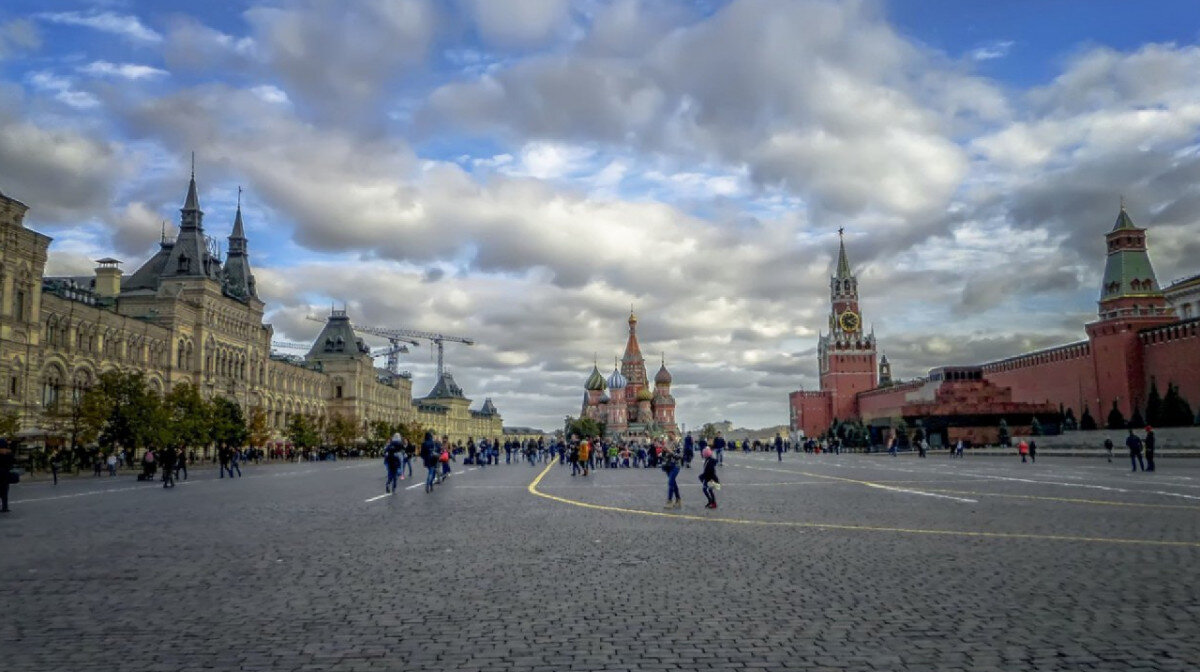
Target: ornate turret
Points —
{"points": [[189, 256], [1130, 287], [846, 355], [239, 281], [595, 381]]}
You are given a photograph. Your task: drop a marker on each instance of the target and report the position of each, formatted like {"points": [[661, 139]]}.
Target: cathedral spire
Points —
{"points": [[192, 202], [239, 232]]}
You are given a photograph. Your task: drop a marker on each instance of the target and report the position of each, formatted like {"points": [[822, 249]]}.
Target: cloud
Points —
{"points": [[342, 58], [130, 27], [18, 35], [63, 89], [518, 23], [64, 175], [130, 71], [992, 50], [271, 94]]}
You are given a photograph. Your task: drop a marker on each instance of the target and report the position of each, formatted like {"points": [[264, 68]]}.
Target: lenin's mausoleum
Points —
{"points": [[1142, 333]]}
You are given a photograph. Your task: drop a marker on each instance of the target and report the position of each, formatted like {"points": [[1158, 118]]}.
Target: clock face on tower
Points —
{"points": [[849, 321]]}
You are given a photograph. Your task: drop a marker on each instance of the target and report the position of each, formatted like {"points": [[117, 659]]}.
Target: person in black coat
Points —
{"points": [[429, 457], [709, 479], [1149, 442], [7, 461]]}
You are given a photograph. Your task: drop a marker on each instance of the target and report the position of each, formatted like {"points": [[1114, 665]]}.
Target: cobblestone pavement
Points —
{"points": [[814, 563]]}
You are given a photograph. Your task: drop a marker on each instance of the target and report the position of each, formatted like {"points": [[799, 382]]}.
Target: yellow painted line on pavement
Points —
{"points": [[533, 490]]}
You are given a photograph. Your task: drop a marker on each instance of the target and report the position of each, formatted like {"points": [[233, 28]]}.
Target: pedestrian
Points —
{"points": [[8, 460], [1108, 448], [55, 465], [921, 449], [719, 449], [1135, 451], [391, 460], [779, 446], [148, 465], [235, 455], [1032, 450], [181, 462], [429, 458], [1149, 448], [671, 467], [406, 458], [223, 460], [709, 481], [958, 450], [111, 461], [1023, 449], [689, 450], [585, 455], [166, 456]]}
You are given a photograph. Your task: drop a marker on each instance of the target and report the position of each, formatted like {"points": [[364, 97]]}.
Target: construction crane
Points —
{"points": [[391, 351], [407, 334]]}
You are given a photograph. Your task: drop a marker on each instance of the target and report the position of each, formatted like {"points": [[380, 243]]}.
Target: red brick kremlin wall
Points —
{"points": [[811, 412], [1063, 375], [1171, 354]]}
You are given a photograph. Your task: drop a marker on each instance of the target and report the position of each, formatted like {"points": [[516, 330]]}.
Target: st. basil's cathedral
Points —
{"points": [[624, 402]]}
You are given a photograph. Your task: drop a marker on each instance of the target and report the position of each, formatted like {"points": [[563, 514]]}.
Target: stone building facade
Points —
{"points": [[184, 316]]}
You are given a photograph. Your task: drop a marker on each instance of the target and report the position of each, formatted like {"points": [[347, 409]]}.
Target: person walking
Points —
{"points": [[111, 462], [429, 458], [223, 461], [719, 449], [689, 450], [1023, 449], [1032, 450], [406, 458], [1108, 448], [235, 456], [709, 481], [391, 460], [1135, 451], [181, 463], [55, 465], [585, 455], [1149, 448], [671, 467], [8, 460], [779, 445], [167, 457]]}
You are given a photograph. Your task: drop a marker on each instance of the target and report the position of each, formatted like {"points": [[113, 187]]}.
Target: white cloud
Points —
{"points": [[271, 94], [519, 23], [130, 71], [18, 35], [992, 50], [107, 22], [62, 88]]}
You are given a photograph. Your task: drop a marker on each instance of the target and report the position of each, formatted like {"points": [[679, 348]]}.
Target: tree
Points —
{"points": [[302, 432], [708, 431], [1116, 419], [227, 423], [412, 432], [342, 430], [1004, 438], [1176, 411], [188, 416], [1086, 422], [1035, 427], [10, 424], [381, 432], [586, 428], [1069, 421], [1154, 404], [1137, 420], [122, 412], [258, 427]]}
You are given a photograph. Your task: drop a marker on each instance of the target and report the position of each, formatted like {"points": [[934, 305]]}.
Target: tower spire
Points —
{"points": [[843, 265]]}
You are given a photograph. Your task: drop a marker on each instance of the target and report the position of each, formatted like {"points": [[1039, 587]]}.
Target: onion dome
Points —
{"points": [[595, 381], [616, 381], [645, 394], [663, 377]]}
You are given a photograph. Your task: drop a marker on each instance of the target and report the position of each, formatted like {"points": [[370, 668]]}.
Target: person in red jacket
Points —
{"points": [[1023, 449]]}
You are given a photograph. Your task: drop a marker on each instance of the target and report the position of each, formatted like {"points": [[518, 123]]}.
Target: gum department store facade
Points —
{"points": [[186, 317]]}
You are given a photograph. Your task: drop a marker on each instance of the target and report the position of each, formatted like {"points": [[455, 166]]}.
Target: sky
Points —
{"points": [[522, 172]]}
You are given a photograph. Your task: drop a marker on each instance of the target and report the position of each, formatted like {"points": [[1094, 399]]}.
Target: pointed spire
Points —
{"points": [[162, 240], [192, 202], [843, 265], [239, 232], [1124, 221]]}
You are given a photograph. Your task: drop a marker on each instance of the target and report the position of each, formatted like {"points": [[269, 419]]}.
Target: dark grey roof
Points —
{"points": [[239, 281], [446, 388], [147, 276], [488, 407], [337, 340]]}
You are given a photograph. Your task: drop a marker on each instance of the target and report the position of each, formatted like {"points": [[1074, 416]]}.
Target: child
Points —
{"points": [[708, 478]]}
